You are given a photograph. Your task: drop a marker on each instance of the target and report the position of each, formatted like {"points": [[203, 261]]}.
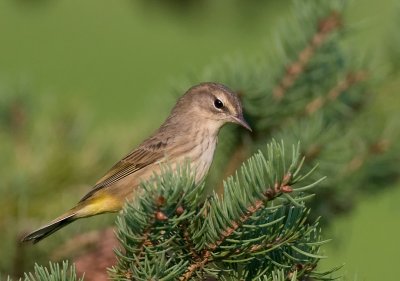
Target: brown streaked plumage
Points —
{"points": [[189, 133]]}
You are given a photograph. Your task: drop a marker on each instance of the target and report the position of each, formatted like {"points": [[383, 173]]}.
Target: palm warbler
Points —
{"points": [[189, 133]]}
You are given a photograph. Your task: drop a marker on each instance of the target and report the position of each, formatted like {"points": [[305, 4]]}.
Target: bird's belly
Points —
{"points": [[200, 159], [201, 164]]}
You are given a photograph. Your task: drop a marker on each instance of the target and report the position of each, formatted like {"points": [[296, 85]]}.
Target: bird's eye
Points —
{"points": [[218, 103]]}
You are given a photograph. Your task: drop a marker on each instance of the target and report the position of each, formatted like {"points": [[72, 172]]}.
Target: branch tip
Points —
{"points": [[160, 216], [179, 211]]}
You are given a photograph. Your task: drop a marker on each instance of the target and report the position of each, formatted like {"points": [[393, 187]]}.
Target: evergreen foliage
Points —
{"points": [[314, 88], [53, 273], [258, 228]]}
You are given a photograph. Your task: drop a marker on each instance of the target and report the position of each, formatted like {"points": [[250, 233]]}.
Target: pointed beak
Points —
{"points": [[240, 120]]}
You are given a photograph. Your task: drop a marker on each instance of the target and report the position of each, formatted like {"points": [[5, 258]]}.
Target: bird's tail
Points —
{"points": [[50, 228], [93, 206]]}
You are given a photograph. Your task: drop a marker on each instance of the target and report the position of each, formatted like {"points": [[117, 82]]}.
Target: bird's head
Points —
{"points": [[212, 103]]}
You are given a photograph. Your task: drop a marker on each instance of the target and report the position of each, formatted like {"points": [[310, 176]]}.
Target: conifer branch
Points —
{"points": [[193, 238], [270, 194], [54, 272], [350, 80], [293, 71], [378, 147]]}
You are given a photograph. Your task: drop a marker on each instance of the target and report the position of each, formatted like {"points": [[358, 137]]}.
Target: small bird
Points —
{"points": [[188, 134]]}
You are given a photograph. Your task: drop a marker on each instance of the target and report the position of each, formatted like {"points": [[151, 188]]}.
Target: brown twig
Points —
{"points": [[301, 268], [343, 85], [378, 147], [158, 216], [278, 241], [293, 71], [145, 242], [189, 243], [270, 194], [146, 233], [186, 235]]}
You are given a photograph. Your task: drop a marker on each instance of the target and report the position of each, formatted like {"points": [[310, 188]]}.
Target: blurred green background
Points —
{"points": [[88, 80]]}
